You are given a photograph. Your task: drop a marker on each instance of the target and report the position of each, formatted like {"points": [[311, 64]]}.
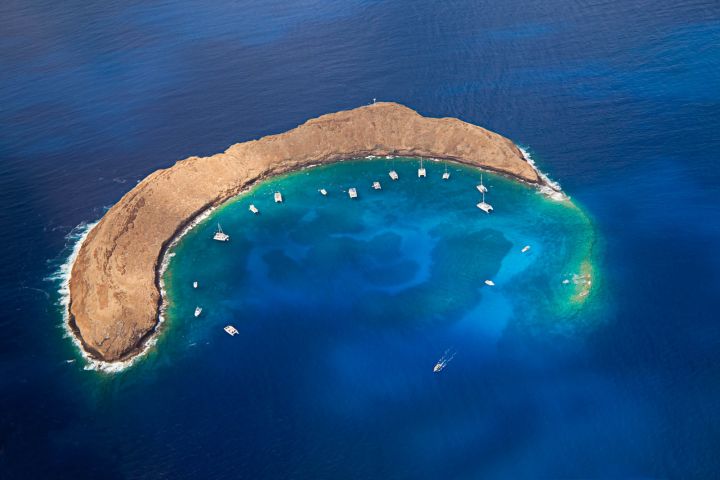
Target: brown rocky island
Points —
{"points": [[114, 284]]}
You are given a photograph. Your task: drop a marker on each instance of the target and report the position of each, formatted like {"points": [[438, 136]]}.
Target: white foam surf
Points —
{"points": [[77, 237], [551, 188]]}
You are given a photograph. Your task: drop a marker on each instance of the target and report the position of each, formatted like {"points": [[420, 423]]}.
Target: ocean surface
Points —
{"points": [[343, 307]]}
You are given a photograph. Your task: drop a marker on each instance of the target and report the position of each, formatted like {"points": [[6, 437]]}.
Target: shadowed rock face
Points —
{"points": [[114, 286]]}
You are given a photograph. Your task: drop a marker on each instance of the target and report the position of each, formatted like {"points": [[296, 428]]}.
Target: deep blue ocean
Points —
{"points": [[618, 101]]}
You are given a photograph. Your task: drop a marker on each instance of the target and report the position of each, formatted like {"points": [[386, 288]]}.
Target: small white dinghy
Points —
{"points": [[195, 284], [353, 193], [253, 209], [323, 192], [278, 197], [230, 330], [376, 186], [393, 175], [221, 236], [525, 249], [489, 283], [198, 311]]}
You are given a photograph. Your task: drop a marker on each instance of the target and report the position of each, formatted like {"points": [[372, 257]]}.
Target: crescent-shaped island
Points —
{"points": [[115, 295]]}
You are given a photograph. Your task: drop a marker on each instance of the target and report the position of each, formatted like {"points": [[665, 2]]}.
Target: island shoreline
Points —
{"points": [[513, 155], [145, 343]]}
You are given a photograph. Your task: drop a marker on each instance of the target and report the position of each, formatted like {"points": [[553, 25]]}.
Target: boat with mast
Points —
{"points": [[221, 236], [482, 188], [421, 170], [484, 206], [446, 175]]}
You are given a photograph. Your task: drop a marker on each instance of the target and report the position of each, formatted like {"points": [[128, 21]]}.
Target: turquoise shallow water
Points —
{"points": [[410, 258]]}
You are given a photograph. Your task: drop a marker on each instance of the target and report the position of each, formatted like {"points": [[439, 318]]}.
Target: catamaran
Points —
{"points": [[198, 311], [446, 175], [421, 170], [278, 197], [393, 175], [485, 207], [353, 193], [221, 236], [232, 331], [376, 186], [482, 188], [253, 209]]}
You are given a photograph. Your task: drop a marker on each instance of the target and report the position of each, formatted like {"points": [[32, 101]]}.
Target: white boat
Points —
{"points": [[393, 175], [489, 283], [195, 284], [525, 248], [253, 209], [482, 188], [446, 175], [323, 192], [443, 362], [485, 207], [230, 330], [198, 311], [376, 186], [221, 236], [278, 197], [353, 193], [421, 170]]}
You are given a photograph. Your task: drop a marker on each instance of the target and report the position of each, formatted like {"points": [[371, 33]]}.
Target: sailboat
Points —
{"points": [[446, 175], [221, 236], [482, 188], [421, 170], [485, 207], [198, 311]]}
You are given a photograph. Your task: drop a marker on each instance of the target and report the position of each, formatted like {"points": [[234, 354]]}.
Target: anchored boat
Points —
{"points": [[482, 188], [376, 186], [198, 311], [221, 236], [484, 206], [353, 193], [253, 209], [421, 170], [278, 197]]}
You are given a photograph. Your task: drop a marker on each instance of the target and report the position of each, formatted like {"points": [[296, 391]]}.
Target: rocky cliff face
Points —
{"points": [[114, 288]]}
